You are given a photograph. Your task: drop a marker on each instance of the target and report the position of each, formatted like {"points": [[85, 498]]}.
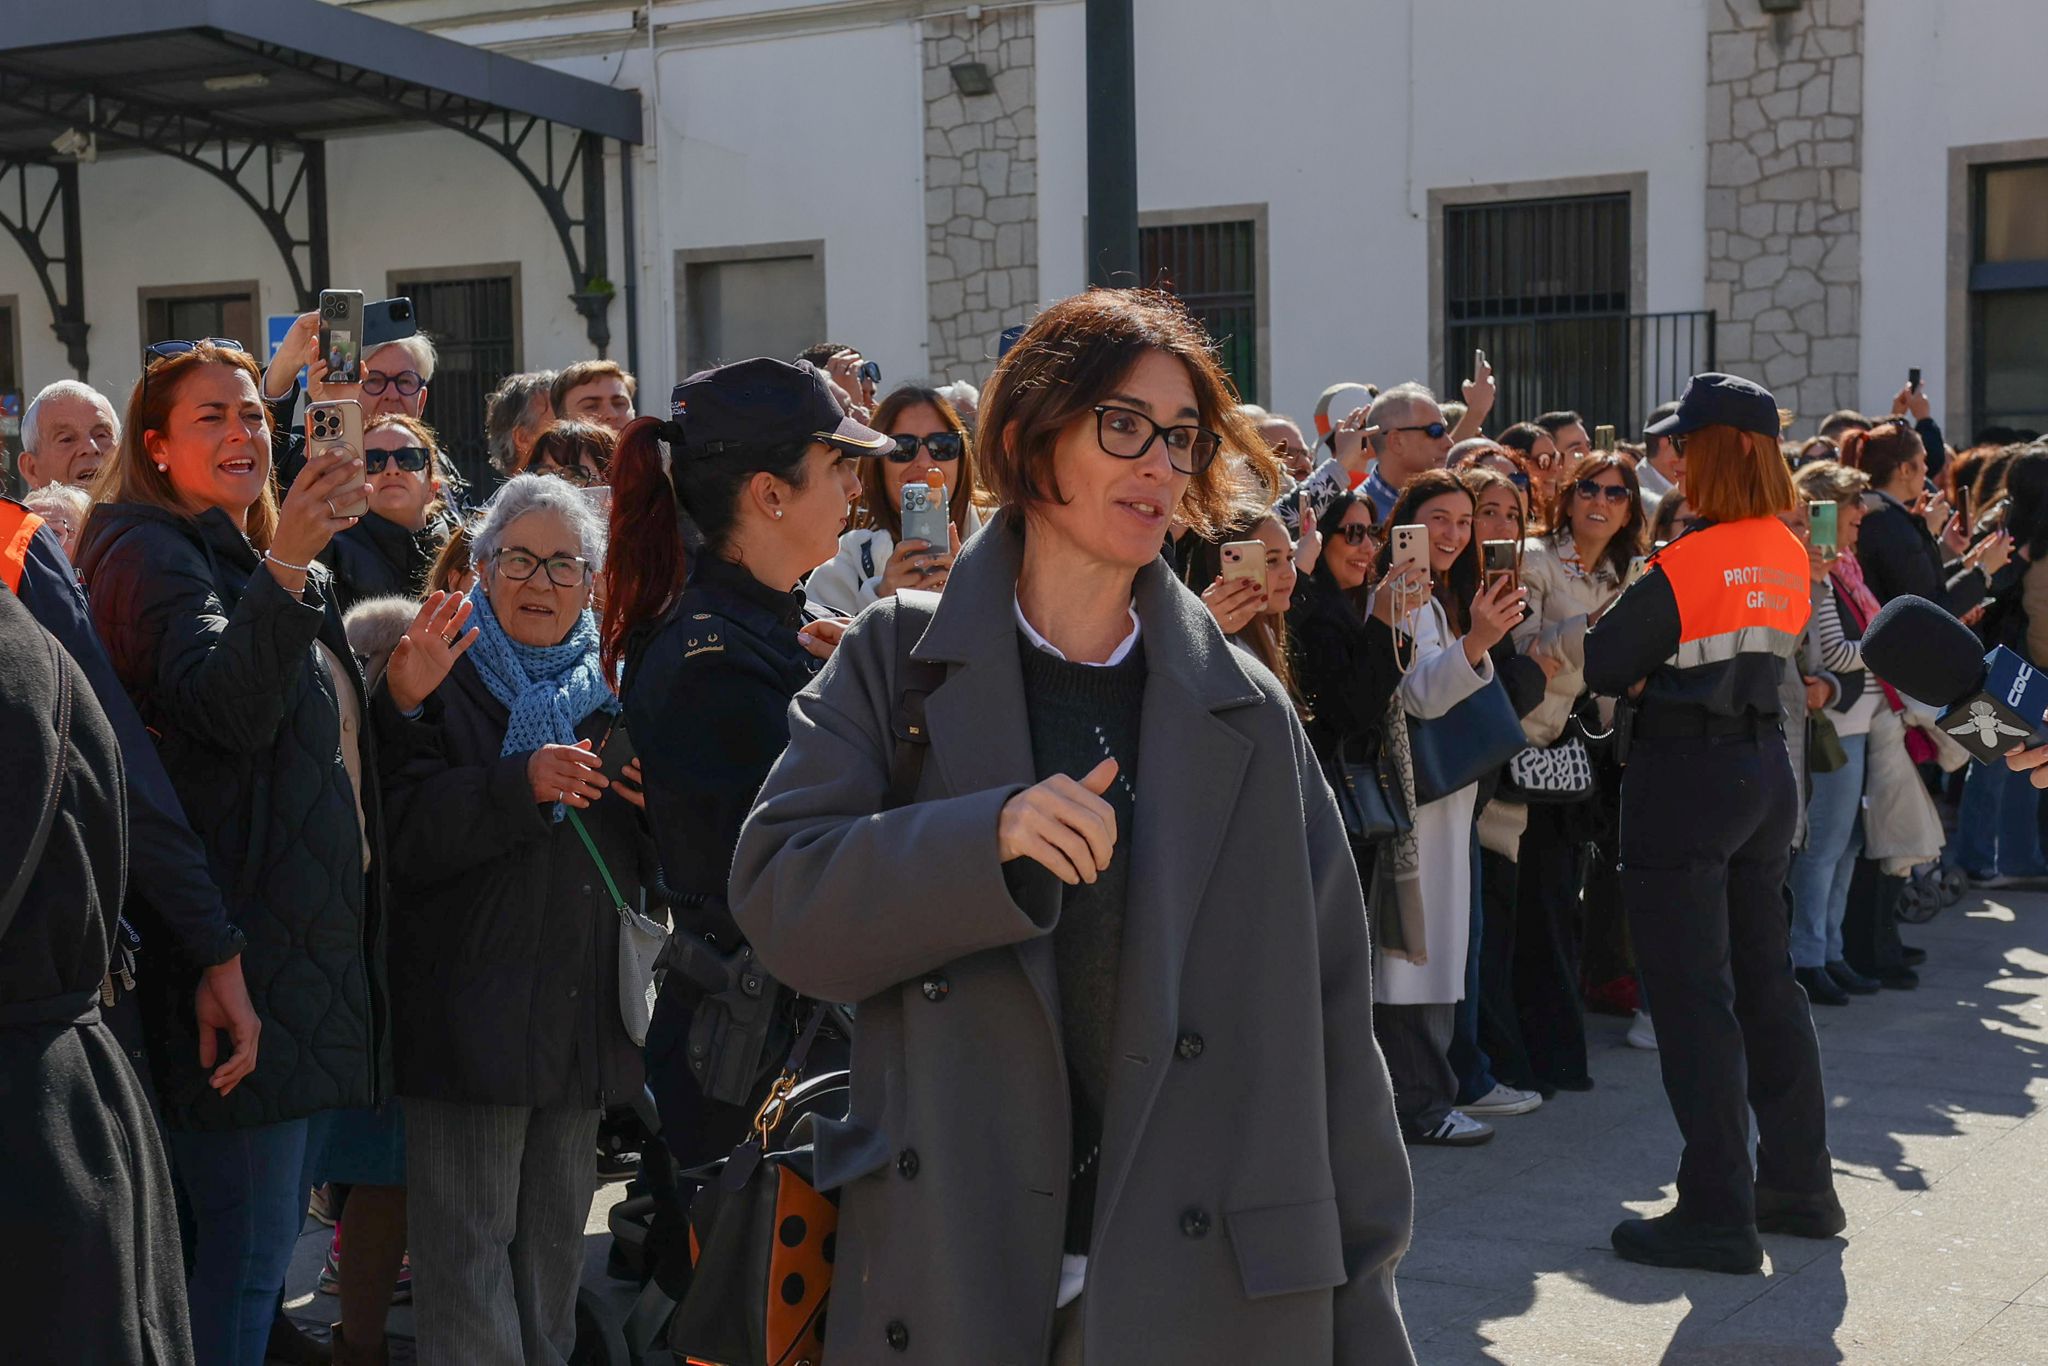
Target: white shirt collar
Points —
{"points": [[1116, 656]]}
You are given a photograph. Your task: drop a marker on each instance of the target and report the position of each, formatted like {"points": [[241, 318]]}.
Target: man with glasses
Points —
{"points": [[1663, 464], [395, 379], [1407, 435], [1289, 446]]}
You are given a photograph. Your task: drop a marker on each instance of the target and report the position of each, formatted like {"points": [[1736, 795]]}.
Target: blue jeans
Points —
{"points": [[1996, 827], [1820, 872], [1468, 1059], [248, 1193]]}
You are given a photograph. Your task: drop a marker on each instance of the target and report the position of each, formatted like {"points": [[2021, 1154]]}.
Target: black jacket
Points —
{"points": [[1345, 667], [505, 943], [85, 1189], [221, 663], [377, 556], [1899, 555]]}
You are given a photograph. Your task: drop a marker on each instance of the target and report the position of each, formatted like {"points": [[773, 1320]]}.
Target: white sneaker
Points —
{"points": [[1642, 1032], [1504, 1099], [1455, 1130]]}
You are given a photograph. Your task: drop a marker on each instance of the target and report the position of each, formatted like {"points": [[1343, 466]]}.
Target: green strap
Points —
{"points": [[598, 859]]}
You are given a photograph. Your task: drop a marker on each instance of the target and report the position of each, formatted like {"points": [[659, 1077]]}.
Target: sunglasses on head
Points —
{"points": [[1354, 533], [164, 350], [939, 445], [411, 459], [1613, 493]]}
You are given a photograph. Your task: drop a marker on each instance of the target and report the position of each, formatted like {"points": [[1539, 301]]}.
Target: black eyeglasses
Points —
{"points": [[1121, 432], [579, 475], [1354, 533], [1432, 430], [520, 564], [407, 382], [940, 446], [411, 459], [1613, 493]]}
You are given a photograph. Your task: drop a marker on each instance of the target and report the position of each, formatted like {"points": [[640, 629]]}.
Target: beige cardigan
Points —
{"points": [[1560, 601]]}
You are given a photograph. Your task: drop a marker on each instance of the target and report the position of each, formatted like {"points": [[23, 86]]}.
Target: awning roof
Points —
{"points": [[270, 69]]}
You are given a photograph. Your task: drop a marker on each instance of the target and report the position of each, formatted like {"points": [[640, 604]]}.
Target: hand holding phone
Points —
{"points": [[341, 334], [1411, 548], [335, 427], [1245, 560], [1500, 560]]}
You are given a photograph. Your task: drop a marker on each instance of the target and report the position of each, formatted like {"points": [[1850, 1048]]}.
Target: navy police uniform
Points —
{"points": [[1709, 805]]}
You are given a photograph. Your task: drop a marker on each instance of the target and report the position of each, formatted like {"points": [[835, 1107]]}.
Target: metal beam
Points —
{"points": [[31, 210], [1111, 37]]}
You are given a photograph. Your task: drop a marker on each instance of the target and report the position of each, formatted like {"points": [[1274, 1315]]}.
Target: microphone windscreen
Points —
{"points": [[1924, 651]]}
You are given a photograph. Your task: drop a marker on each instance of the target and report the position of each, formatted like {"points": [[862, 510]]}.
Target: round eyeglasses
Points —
{"points": [[407, 382], [519, 564]]}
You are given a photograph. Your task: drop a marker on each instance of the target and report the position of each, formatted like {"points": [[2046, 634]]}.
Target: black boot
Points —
{"points": [[1821, 989], [1802, 1216], [1850, 980], [1870, 929], [1668, 1240], [290, 1345]]}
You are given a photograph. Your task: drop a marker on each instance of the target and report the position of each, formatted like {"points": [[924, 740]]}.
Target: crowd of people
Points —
{"points": [[1209, 810]]}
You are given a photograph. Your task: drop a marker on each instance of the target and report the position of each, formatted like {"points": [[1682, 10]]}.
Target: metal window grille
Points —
{"points": [[1214, 269], [1542, 287], [471, 323]]}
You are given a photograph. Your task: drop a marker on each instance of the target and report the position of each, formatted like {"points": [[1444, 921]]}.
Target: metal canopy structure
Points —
{"points": [[248, 91]]}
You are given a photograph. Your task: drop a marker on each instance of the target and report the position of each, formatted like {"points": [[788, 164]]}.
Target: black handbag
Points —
{"points": [[1457, 749], [1369, 798], [761, 1239]]}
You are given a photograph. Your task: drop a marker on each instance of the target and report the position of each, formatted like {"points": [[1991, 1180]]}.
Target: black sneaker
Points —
{"points": [[1899, 979], [1852, 981], [1802, 1216], [1914, 957], [1666, 1240], [1820, 988]]}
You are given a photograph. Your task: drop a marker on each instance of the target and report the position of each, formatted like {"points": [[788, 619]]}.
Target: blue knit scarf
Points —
{"points": [[549, 689]]}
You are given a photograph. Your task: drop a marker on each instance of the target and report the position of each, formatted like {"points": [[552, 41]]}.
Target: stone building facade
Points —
{"points": [[981, 187], [1784, 198]]}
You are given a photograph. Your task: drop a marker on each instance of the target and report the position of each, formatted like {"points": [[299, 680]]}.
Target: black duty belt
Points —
{"points": [[73, 1008], [1695, 723]]}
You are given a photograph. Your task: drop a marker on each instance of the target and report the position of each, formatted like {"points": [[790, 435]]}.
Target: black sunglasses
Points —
{"points": [[407, 382], [940, 445], [1432, 430], [1121, 433], [164, 350], [1354, 533], [871, 372], [411, 459], [1613, 493]]}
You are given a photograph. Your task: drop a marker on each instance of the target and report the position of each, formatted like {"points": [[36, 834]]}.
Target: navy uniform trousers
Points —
{"points": [[1706, 832]]}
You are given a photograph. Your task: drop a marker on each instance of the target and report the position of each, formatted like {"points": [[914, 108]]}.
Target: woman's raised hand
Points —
{"points": [[1062, 823], [1234, 602], [1308, 546], [429, 648], [1496, 612]]}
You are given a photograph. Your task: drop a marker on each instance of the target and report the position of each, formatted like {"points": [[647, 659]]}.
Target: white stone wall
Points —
{"points": [[981, 189], [1784, 198]]}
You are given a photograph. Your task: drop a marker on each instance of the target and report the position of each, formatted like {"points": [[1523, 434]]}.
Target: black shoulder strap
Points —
{"points": [[867, 558], [46, 816], [916, 679]]}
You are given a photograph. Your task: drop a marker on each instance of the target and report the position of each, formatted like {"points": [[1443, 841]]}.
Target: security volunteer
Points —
{"points": [[1708, 808], [703, 610]]}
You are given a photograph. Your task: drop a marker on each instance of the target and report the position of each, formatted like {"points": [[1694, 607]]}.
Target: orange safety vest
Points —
{"points": [[18, 526], [1742, 588]]}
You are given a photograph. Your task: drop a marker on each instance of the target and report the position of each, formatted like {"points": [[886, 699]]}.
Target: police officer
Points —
{"points": [[703, 608], [1708, 808]]}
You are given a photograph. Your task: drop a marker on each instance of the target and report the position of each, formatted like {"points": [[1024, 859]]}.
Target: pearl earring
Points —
{"points": [[162, 468], [778, 512]]}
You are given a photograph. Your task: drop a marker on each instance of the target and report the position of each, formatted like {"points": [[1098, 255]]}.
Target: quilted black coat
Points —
{"points": [[221, 662]]}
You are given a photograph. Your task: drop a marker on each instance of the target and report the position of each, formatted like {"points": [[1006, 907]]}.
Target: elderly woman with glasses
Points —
{"points": [[874, 558], [392, 549], [507, 837], [1108, 945]]}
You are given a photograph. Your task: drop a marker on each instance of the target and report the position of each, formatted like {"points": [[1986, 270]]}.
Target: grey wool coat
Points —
{"points": [[1254, 1195]]}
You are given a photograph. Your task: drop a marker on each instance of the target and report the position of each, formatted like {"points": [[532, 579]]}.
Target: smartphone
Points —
{"points": [[924, 517], [337, 425], [1500, 560], [388, 320], [1411, 549], [617, 751], [1825, 522], [1913, 379], [341, 334], [1478, 361], [1603, 438], [1637, 567], [1245, 560]]}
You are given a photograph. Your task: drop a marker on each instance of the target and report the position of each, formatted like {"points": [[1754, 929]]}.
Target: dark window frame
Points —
{"points": [[1245, 345], [249, 292], [463, 437], [1986, 279]]}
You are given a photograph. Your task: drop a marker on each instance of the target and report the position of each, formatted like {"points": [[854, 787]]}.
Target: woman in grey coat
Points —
{"points": [[1115, 1091]]}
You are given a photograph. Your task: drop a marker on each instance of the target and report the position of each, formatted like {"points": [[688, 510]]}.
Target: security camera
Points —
{"points": [[72, 143]]}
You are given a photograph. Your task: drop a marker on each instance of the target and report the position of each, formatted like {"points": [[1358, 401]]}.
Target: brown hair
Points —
{"points": [[453, 561], [1732, 475], [1626, 543], [1460, 582], [132, 475], [877, 508], [1880, 450], [1826, 481], [1070, 358], [422, 435], [1479, 480], [566, 441], [1666, 520], [582, 373]]}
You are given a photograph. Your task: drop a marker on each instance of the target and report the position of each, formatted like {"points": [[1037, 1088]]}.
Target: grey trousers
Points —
{"points": [[496, 1200], [1417, 1042]]}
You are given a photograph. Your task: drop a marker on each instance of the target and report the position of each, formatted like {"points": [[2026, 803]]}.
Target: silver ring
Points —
{"points": [[561, 794], [449, 640], [330, 508]]}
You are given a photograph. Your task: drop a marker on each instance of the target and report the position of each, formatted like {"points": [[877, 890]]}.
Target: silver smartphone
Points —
{"points": [[337, 425], [341, 335], [924, 517]]}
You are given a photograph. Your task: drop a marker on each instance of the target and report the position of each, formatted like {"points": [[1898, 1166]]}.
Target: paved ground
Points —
{"points": [[1941, 1158]]}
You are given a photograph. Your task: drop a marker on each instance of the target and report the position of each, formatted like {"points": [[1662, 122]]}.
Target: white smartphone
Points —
{"points": [[337, 425], [1244, 560], [1411, 548], [1478, 360]]}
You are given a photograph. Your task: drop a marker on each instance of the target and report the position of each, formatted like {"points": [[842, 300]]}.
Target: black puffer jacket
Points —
{"points": [[504, 962], [377, 557], [222, 663]]}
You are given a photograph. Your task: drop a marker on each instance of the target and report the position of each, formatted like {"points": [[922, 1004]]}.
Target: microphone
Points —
{"points": [[1990, 701]]}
